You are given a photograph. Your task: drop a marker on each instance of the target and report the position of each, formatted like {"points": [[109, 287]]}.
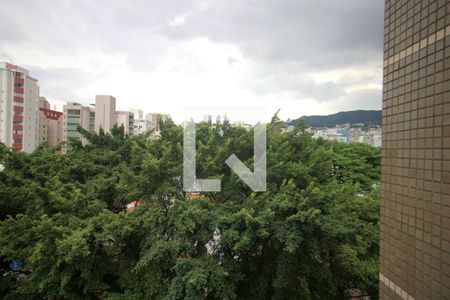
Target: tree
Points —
{"points": [[312, 235]]}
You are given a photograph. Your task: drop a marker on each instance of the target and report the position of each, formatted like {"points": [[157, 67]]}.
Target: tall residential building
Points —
{"points": [[105, 112], [76, 115], [415, 198], [50, 123], [18, 108], [126, 118]]}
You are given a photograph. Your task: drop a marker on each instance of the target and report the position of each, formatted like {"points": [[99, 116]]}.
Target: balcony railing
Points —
{"points": [[17, 127], [18, 90], [18, 136], [17, 108], [18, 99], [18, 118], [17, 146], [18, 80]]}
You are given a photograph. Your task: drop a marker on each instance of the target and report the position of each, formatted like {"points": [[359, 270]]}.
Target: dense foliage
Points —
{"points": [[65, 232]]}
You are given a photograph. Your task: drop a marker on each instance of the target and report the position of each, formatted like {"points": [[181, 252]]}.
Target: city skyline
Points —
{"points": [[27, 119], [186, 54]]}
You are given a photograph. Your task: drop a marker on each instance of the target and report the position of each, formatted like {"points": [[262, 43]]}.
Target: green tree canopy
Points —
{"points": [[312, 235]]}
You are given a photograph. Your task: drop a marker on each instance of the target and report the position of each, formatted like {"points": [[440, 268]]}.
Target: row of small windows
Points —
{"points": [[72, 126], [73, 120], [73, 112], [73, 134]]}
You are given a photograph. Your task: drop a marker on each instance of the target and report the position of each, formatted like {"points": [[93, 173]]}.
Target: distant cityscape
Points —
{"points": [[347, 133], [27, 120]]}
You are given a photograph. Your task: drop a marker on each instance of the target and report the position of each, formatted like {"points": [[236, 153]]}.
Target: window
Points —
{"points": [[73, 120]]}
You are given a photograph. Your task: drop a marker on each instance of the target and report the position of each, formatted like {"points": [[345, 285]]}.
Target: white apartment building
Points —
{"points": [[126, 118], [18, 108], [139, 123], [139, 126]]}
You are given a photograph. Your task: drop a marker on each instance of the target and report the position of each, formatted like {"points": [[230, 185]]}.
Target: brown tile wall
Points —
{"points": [[415, 201]]}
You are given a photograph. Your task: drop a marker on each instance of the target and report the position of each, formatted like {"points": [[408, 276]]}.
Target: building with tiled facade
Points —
{"points": [[415, 200]]}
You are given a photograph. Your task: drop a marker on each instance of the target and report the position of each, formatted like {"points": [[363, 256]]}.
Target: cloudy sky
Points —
{"points": [[302, 56]]}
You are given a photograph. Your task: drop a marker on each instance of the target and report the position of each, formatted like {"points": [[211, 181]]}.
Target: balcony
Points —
{"points": [[17, 136], [18, 90], [18, 99], [17, 146], [17, 108], [18, 80], [17, 127], [18, 118]]}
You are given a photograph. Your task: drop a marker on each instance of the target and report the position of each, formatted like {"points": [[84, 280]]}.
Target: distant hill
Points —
{"points": [[367, 117]]}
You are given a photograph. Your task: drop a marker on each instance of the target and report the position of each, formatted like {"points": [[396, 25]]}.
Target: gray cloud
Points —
{"points": [[295, 85], [289, 39], [283, 41], [360, 99], [317, 33], [56, 78]]}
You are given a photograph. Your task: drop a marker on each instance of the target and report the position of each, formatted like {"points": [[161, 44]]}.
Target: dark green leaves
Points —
{"points": [[312, 235]]}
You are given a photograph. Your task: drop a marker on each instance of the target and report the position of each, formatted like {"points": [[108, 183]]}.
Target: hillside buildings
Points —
{"points": [[355, 133]]}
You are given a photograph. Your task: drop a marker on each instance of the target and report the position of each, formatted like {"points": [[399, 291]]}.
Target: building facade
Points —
{"points": [[138, 113], [139, 126], [18, 108], [74, 115], [126, 119], [50, 123], [105, 112], [415, 199], [207, 119], [153, 123]]}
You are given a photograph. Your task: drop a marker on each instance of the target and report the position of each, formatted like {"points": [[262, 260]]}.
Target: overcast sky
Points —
{"points": [[302, 56]]}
